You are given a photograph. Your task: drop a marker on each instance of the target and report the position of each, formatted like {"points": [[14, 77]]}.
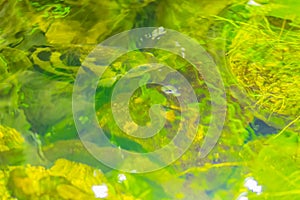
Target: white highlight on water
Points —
{"points": [[253, 3], [252, 185], [100, 191], [121, 178]]}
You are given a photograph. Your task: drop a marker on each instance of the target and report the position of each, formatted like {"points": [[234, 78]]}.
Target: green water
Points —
{"points": [[43, 44]]}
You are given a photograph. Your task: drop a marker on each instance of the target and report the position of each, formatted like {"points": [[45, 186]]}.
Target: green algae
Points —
{"points": [[39, 59]]}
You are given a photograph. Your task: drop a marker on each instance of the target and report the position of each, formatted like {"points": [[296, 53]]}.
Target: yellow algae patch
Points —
{"points": [[170, 115], [24, 182], [79, 175], [71, 192], [3, 180], [64, 180], [10, 139]]}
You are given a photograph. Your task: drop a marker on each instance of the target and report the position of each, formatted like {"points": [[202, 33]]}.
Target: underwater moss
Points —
{"points": [[256, 51], [265, 61]]}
